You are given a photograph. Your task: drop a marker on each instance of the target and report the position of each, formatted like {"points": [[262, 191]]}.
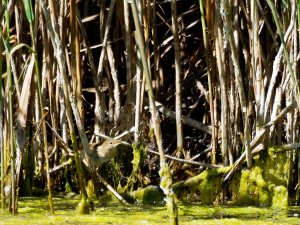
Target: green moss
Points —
{"points": [[280, 197], [148, 195], [84, 207], [276, 167], [209, 188], [139, 154], [203, 187], [68, 187], [166, 178], [108, 197], [35, 211], [264, 196], [265, 184], [253, 189], [90, 189], [244, 196], [210, 184]]}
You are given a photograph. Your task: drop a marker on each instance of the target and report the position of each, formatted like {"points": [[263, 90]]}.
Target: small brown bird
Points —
{"points": [[102, 153]]}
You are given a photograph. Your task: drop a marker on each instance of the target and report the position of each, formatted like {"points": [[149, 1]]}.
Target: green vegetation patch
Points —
{"points": [[149, 195], [35, 211], [205, 185], [265, 184], [253, 189]]}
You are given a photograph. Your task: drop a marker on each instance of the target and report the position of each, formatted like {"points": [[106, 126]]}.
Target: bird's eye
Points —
{"points": [[110, 142]]}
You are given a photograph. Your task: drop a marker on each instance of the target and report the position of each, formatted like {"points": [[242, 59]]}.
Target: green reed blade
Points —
{"points": [[28, 10]]}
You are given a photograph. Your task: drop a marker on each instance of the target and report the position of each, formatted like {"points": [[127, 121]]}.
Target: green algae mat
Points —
{"points": [[35, 211]]}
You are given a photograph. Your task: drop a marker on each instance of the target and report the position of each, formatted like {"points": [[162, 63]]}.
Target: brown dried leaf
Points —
{"points": [[25, 94]]}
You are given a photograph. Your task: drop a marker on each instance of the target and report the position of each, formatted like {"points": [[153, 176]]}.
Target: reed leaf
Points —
{"points": [[25, 94], [28, 10], [286, 52]]}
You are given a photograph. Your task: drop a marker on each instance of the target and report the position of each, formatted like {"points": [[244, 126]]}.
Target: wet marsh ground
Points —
{"points": [[35, 211]]}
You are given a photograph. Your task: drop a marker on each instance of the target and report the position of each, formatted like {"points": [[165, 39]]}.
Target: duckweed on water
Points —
{"points": [[35, 211]]}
